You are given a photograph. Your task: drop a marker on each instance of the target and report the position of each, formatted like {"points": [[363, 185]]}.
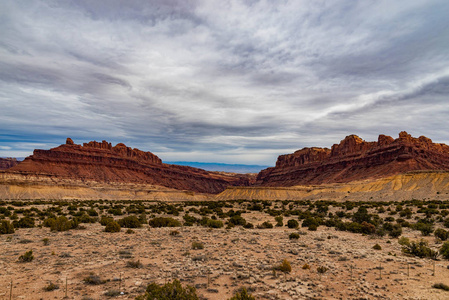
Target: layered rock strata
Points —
{"points": [[102, 162], [355, 159]]}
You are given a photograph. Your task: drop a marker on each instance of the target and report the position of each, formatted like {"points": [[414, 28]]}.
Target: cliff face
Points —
{"points": [[6, 163], [100, 161], [356, 159]]}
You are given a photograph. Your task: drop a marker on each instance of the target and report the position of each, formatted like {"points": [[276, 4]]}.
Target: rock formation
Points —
{"points": [[355, 159], [6, 163], [102, 162]]}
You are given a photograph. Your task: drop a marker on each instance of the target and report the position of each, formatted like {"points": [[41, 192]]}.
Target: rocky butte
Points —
{"points": [[355, 159], [102, 162]]}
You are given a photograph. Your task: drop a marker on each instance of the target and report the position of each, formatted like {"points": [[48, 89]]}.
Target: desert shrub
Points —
{"points": [[419, 249], [265, 225], [293, 235], [214, 223], [46, 241], [441, 234], [164, 222], [136, 264], [169, 291], [444, 250], [279, 221], [377, 247], [312, 227], [446, 223], [441, 286], [63, 224], [237, 220], [93, 280], [112, 293], [425, 228], [197, 245], [27, 256], [292, 223], [284, 267], [396, 231], [25, 222], [361, 215], [242, 294], [404, 241], [112, 227], [104, 220], [322, 269], [248, 225], [92, 212], [115, 211], [130, 222], [306, 266], [368, 228], [310, 221], [51, 287], [174, 232], [189, 220], [6, 227]]}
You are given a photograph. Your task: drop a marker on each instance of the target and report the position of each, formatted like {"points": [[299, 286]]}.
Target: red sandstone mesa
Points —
{"points": [[100, 161], [356, 159]]}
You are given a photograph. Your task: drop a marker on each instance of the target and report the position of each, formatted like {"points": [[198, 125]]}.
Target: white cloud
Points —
{"points": [[231, 80]]}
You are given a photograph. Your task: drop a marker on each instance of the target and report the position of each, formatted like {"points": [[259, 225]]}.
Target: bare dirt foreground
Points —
{"points": [[231, 258]]}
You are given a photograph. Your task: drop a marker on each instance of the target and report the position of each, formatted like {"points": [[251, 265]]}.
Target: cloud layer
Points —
{"points": [[221, 81]]}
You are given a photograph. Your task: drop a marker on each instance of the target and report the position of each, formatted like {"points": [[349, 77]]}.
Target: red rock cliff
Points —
{"points": [[100, 161], [356, 159]]}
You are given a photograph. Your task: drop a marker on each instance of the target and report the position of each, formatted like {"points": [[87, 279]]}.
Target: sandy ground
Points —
{"points": [[231, 258]]}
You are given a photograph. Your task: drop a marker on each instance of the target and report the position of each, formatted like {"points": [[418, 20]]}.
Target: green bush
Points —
{"points": [[237, 220], [441, 234], [112, 227], [130, 222], [93, 280], [169, 291], [6, 227], [441, 286], [242, 294], [279, 221], [284, 267], [61, 224], [164, 222], [293, 235], [27, 256], [419, 249], [377, 247], [292, 223], [444, 250], [265, 225], [104, 220], [446, 223], [25, 222]]}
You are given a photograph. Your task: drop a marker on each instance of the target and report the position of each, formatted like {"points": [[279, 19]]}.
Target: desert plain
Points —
{"points": [[326, 263]]}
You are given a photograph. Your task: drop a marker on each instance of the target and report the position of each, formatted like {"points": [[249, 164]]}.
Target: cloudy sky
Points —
{"points": [[221, 81]]}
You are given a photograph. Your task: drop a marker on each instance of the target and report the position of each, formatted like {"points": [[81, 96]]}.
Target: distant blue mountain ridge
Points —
{"points": [[231, 168]]}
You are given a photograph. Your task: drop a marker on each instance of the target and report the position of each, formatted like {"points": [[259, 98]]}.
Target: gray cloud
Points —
{"points": [[227, 81]]}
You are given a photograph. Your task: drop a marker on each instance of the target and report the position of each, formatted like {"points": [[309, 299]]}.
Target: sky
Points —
{"points": [[221, 81]]}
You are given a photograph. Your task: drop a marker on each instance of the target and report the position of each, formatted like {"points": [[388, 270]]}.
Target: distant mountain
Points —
{"points": [[8, 162], [231, 168]]}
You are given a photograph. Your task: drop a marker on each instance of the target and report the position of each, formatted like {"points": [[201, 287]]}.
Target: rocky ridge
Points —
{"points": [[6, 163], [355, 159], [102, 162]]}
